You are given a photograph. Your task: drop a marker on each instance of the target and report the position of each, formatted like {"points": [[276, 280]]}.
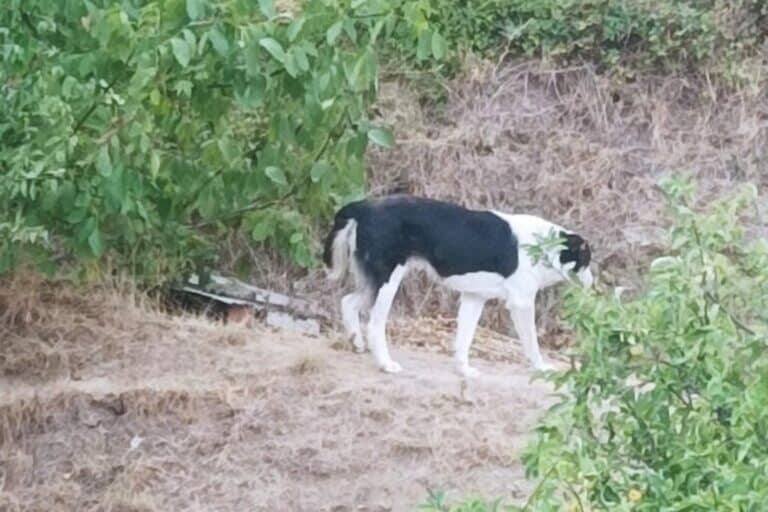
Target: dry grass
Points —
{"points": [[566, 144], [107, 403], [573, 147]]}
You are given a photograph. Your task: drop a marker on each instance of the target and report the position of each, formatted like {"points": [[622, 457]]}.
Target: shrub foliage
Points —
{"points": [[141, 130], [620, 36], [665, 406]]}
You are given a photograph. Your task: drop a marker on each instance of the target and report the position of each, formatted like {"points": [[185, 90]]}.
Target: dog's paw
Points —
{"points": [[467, 371], [359, 345], [391, 367], [544, 367]]}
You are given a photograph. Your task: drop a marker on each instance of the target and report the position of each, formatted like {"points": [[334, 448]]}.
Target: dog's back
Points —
{"points": [[453, 240]]}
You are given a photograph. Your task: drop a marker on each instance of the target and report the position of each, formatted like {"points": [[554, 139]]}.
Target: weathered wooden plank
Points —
{"points": [[282, 311]]}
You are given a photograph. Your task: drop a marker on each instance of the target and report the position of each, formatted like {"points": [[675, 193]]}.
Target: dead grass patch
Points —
{"points": [[566, 144], [146, 411]]}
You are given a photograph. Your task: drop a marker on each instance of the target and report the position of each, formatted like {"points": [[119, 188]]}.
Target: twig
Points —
{"points": [[738, 323], [294, 189], [202, 186], [575, 495], [28, 22], [541, 483], [96, 103]]}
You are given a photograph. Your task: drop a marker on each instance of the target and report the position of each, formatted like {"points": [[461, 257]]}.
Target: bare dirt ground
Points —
{"points": [[108, 405]]}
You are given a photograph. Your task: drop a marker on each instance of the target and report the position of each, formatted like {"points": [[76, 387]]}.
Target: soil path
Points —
{"points": [[182, 414]]}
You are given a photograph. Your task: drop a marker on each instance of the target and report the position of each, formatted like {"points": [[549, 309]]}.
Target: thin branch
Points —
{"points": [[28, 22], [541, 483], [87, 114], [575, 495], [738, 323], [202, 186], [248, 208], [261, 205]]}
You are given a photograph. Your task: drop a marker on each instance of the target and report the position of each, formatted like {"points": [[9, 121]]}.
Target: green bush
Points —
{"points": [[607, 31], [140, 132], [664, 408], [621, 36]]}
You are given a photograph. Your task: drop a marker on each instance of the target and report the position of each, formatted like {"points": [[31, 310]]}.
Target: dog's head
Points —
{"points": [[576, 256]]}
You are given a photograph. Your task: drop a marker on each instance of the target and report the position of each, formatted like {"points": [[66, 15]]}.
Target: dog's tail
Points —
{"points": [[340, 244]]}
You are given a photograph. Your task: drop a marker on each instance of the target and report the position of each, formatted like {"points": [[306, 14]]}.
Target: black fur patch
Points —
{"points": [[453, 239], [576, 250]]}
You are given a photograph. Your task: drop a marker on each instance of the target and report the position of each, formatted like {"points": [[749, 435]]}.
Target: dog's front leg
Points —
{"points": [[523, 315], [470, 308]]}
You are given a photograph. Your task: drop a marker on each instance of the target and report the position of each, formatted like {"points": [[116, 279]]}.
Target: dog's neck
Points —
{"points": [[530, 230]]}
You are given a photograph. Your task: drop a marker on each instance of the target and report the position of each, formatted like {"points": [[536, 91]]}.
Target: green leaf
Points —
{"points": [[263, 230], [376, 30], [439, 47], [229, 149], [424, 47], [195, 9], [96, 242], [181, 51], [68, 86], [183, 88], [349, 28], [290, 65], [333, 32], [155, 97], [267, 8], [76, 215], [301, 59], [154, 163], [103, 161], [114, 188], [382, 137], [252, 60], [252, 97], [143, 76], [218, 41], [294, 28], [319, 170], [274, 48], [276, 174], [191, 39]]}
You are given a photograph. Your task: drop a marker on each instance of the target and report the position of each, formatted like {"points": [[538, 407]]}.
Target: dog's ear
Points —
{"points": [[576, 251]]}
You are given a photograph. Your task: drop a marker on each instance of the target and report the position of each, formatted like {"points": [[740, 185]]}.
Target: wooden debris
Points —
{"points": [[241, 301]]}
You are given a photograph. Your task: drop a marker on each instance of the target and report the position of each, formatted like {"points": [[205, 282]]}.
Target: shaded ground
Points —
{"points": [[110, 406]]}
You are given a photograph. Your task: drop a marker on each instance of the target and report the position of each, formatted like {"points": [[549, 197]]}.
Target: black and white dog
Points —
{"points": [[480, 254]]}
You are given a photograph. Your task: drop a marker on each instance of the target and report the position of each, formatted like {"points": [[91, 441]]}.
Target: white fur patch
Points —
{"points": [[344, 246]]}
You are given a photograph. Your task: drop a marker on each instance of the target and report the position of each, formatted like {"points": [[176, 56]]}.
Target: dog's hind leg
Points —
{"points": [[351, 305], [378, 320]]}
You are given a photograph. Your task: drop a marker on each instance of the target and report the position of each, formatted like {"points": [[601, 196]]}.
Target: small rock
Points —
{"points": [[290, 323], [136, 442]]}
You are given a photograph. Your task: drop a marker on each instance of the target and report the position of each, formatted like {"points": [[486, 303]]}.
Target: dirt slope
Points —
{"points": [[105, 406]]}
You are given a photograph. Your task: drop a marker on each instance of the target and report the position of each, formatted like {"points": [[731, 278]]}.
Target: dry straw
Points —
{"points": [[567, 144]]}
